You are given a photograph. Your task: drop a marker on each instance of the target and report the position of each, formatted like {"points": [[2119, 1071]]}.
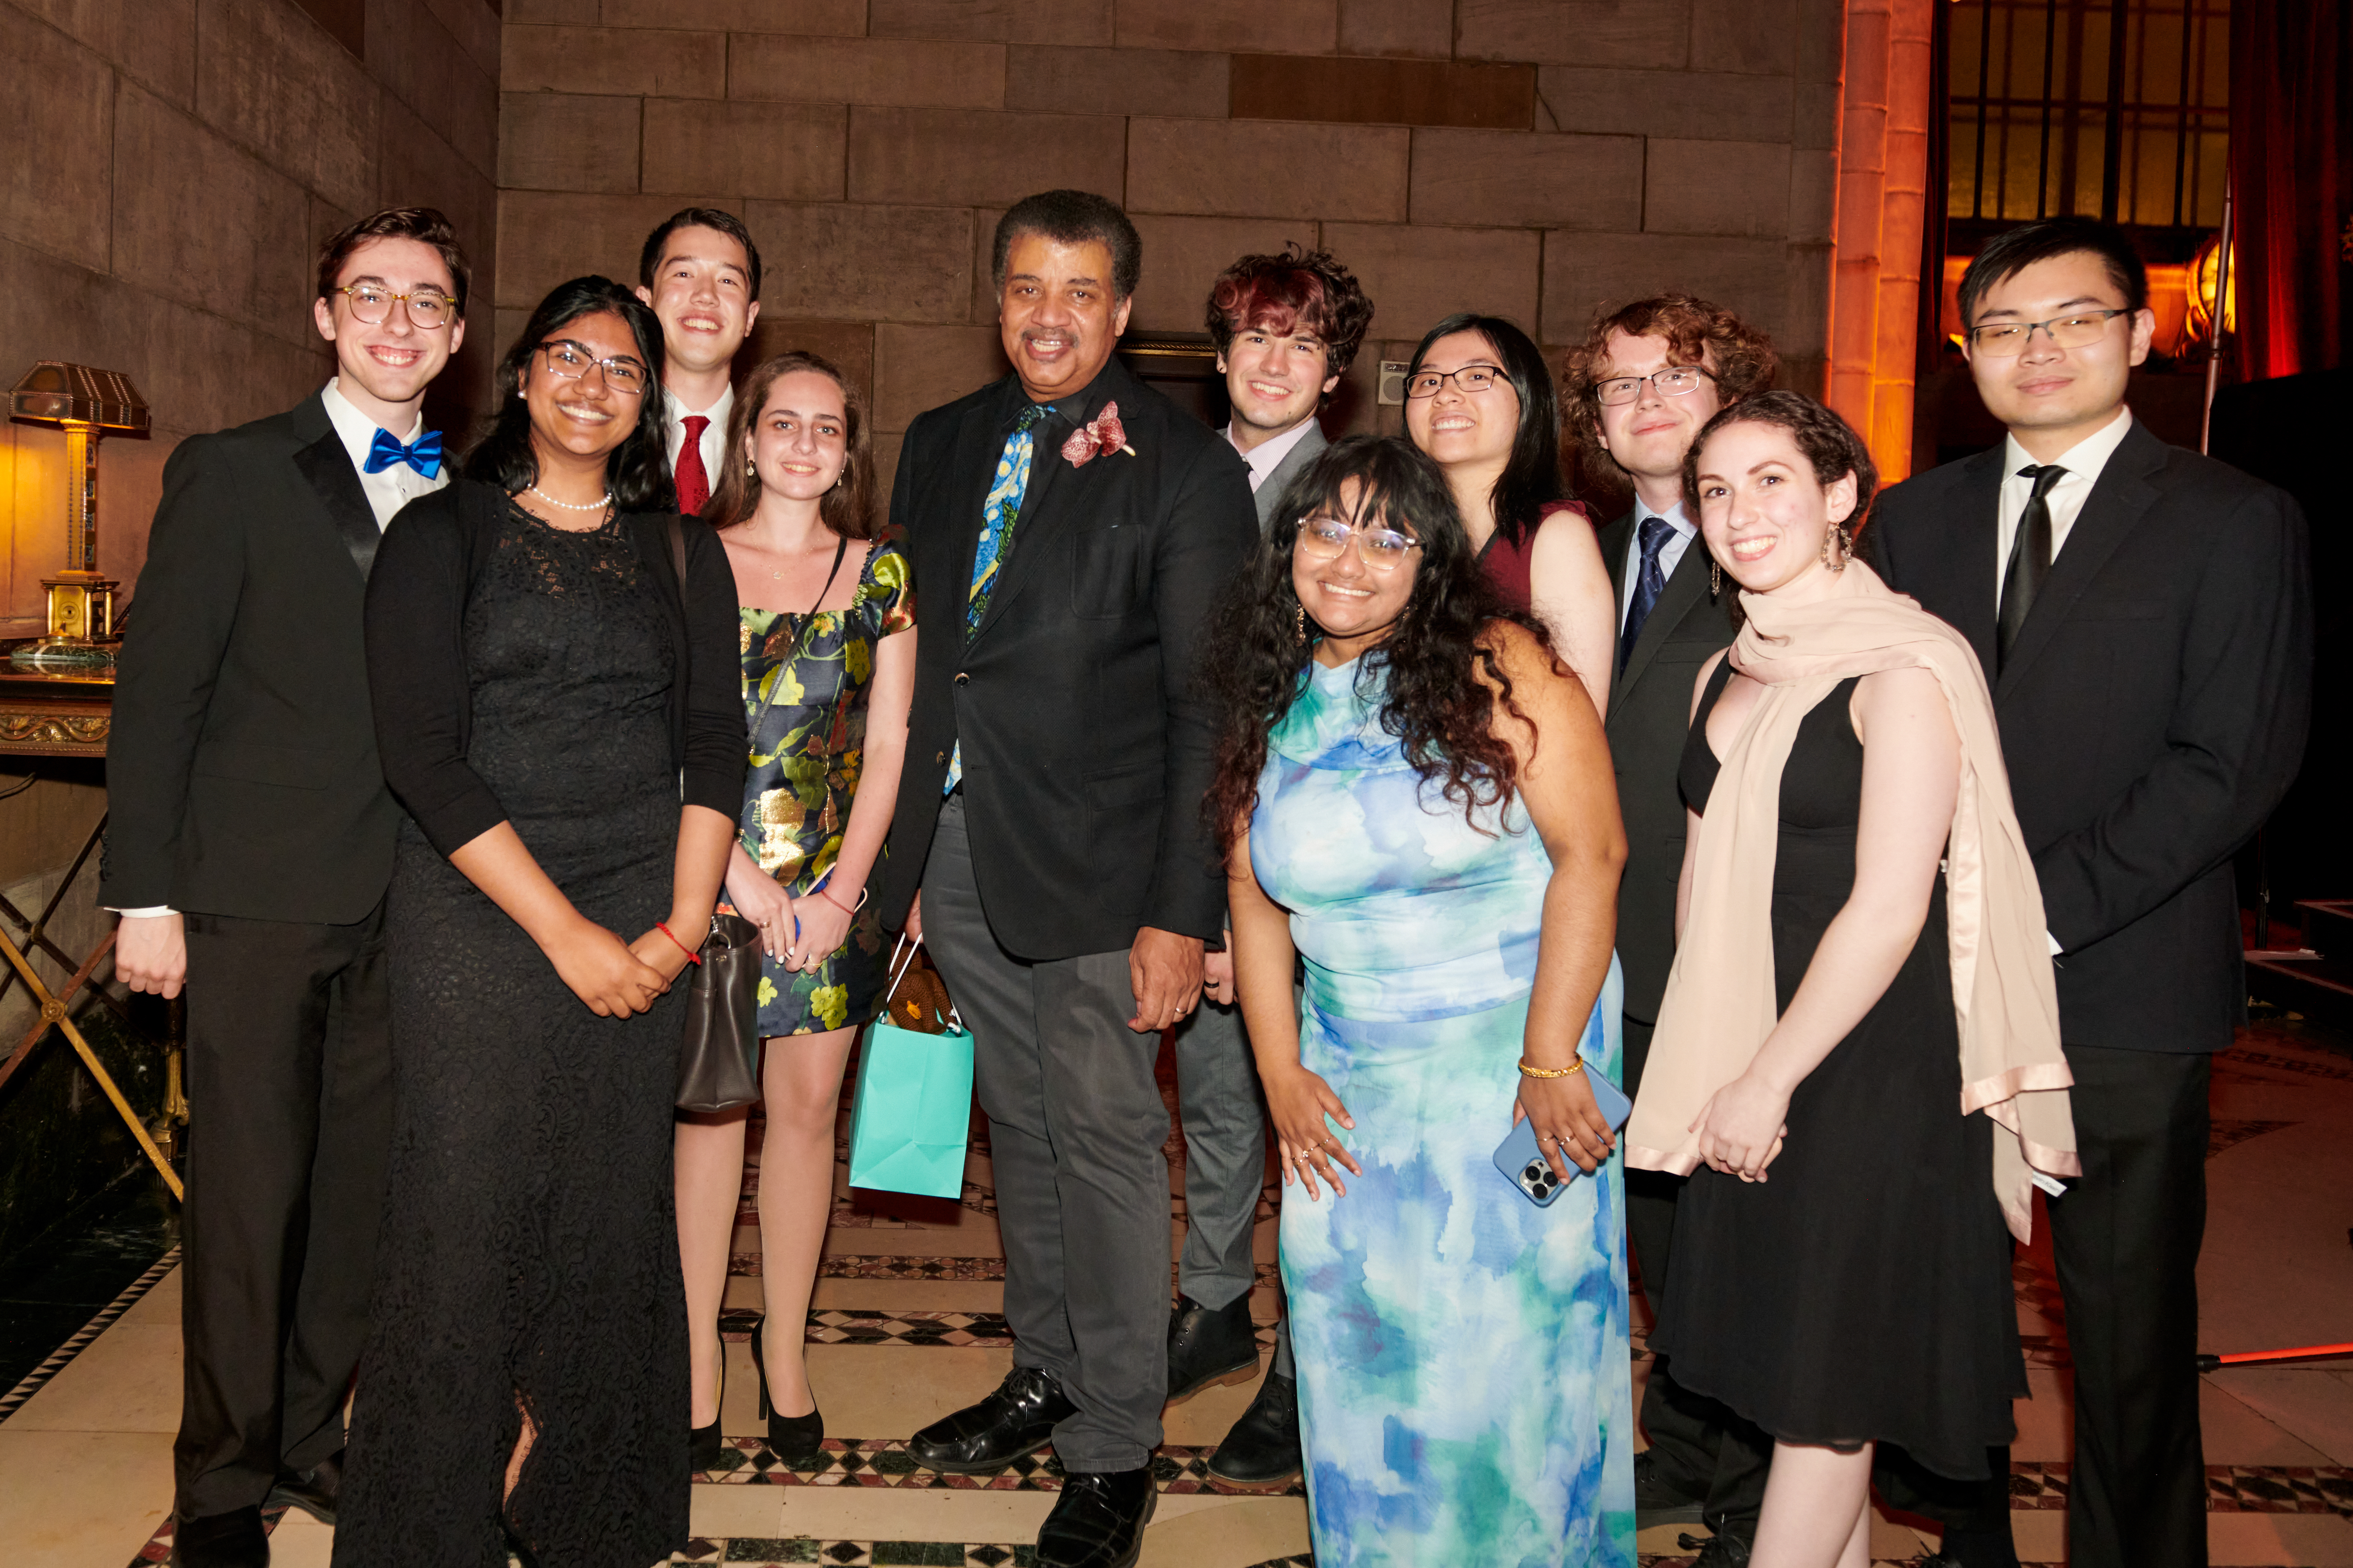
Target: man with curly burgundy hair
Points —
{"points": [[1287, 327], [1636, 391]]}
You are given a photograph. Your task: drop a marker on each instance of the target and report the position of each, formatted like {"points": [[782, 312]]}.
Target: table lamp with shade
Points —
{"points": [[87, 404]]}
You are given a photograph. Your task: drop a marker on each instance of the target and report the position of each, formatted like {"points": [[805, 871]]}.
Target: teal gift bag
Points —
{"points": [[913, 1107]]}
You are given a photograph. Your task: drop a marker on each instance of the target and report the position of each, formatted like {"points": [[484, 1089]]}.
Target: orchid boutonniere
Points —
{"points": [[1092, 440]]}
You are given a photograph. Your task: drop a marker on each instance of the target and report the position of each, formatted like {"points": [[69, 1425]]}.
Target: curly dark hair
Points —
{"points": [[1297, 291], [1072, 218], [638, 470], [1828, 442], [1697, 331], [1531, 477], [1436, 702], [848, 507]]}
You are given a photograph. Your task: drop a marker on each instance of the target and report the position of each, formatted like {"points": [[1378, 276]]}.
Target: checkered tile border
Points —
{"points": [[852, 1462]]}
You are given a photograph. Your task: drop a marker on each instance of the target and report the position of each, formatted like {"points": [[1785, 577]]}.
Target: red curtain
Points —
{"points": [[2292, 173]]}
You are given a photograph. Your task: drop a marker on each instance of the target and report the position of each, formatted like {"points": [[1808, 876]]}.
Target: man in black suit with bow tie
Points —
{"points": [[1072, 530], [248, 850], [2143, 615]]}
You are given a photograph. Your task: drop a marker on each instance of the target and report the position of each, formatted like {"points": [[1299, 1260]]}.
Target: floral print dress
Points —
{"points": [[807, 752]]}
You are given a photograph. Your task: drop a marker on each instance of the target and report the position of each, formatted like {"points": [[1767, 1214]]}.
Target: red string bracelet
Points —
{"points": [[825, 893], [692, 957]]}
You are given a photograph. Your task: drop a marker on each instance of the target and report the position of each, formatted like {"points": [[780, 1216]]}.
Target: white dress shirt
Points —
{"points": [[1267, 456], [2083, 461], [397, 485], [1670, 553], [713, 444], [386, 492]]}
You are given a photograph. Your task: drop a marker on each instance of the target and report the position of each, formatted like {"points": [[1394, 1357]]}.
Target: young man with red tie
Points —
{"points": [[701, 273]]}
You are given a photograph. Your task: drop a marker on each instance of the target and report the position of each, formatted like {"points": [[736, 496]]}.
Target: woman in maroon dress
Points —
{"points": [[1480, 400]]}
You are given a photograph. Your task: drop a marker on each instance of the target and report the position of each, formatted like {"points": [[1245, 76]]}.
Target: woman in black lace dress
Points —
{"points": [[562, 722]]}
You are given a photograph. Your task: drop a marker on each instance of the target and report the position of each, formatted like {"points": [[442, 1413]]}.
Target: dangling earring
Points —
{"points": [[1714, 580], [1836, 548], [1299, 624], [751, 469]]}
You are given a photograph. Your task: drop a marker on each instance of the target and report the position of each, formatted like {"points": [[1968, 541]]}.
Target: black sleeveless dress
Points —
{"points": [[529, 1258], [1862, 1293]]}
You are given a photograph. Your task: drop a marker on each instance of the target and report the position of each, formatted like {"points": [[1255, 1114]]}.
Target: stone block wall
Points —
{"points": [[1528, 158], [172, 163]]}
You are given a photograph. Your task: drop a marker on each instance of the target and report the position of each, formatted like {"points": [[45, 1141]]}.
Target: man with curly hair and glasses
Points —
{"points": [[1635, 393]]}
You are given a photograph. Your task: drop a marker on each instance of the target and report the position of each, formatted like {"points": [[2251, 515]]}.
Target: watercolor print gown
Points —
{"points": [[1464, 1392]]}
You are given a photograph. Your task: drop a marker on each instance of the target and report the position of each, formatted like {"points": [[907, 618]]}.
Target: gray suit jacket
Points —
{"points": [[1649, 712], [1294, 463]]}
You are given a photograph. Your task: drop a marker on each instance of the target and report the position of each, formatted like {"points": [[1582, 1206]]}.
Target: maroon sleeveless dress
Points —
{"points": [[1506, 563]]}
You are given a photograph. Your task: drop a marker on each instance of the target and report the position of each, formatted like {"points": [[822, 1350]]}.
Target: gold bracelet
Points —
{"points": [[1570, 1071]]}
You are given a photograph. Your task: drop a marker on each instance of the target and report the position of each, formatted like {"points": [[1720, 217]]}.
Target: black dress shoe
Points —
{"points": [[1099, 1519], [795, 1440], [1717, 1551], [1262, 1453], [1209, 1345], [231, 1539], [983, 1439], [312, 1490], [1656, 1501]]}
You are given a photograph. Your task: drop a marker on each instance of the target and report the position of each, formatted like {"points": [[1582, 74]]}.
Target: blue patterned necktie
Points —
{"points": [[998, 512], [1649, 581]]}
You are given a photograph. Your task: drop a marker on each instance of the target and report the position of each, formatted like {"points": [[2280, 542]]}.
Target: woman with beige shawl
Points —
{"points": [[1860, 968]]}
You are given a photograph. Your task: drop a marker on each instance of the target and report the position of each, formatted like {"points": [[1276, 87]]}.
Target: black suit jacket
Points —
{"points": [[1649, 712], [1087, 746], [242, 777], [2152, 713]]}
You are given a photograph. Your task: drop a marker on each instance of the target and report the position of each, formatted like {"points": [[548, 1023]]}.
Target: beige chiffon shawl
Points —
{"points": [[1720, 1004]]}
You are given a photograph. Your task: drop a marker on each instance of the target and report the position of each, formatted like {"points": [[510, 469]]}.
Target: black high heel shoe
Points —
{"points": [[704, 1444], [795, 1440]]}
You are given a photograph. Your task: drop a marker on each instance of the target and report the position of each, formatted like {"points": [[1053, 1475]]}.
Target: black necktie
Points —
{"points": [[1649, 581], [2030, 556]]}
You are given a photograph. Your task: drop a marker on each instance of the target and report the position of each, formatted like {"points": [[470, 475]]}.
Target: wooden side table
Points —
{"points": [[54, 714]]}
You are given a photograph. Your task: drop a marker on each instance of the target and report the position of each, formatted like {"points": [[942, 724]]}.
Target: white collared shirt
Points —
{"points": [[2083, 461], [1267, 456], [713, 445], [1671, 553], [395, 486]]}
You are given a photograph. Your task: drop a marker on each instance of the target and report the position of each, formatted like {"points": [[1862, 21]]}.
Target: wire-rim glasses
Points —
{"points": [[2075, 330], [1470, 379], [428, 310], [574, 361], [1675, 380], [1323, 538]]}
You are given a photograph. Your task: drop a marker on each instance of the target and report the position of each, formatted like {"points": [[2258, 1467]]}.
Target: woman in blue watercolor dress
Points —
{"points": [[1417, 801], [826, 618]]}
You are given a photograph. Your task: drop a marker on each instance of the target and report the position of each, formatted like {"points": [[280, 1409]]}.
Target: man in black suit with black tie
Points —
{"points": [[1648, 375], [248, 850], [2143, 615], [1073, 531]]}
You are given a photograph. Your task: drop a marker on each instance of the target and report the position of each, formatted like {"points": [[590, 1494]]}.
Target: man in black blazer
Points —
{"points": [[248, 850], [2143, 615], [1648, 375], [1072, 530]]}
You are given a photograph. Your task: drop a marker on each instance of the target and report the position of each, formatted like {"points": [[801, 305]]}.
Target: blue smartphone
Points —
{"points": [[1523, 1164]]}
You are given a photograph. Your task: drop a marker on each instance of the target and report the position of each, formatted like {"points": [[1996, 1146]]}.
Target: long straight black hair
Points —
{"points": [[1531, 479], [637, 471]]}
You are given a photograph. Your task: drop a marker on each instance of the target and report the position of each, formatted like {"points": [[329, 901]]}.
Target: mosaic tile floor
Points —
{"points": [[85, 1444]]}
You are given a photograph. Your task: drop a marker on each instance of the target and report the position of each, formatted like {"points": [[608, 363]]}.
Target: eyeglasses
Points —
{"points": [[2005, 339], [1679, 380], [573, 361], [1322, 539], [428, 308], [1470, 378]]}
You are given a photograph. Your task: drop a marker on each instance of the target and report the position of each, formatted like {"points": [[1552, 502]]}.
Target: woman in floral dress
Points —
{"points": [[828, 649]]}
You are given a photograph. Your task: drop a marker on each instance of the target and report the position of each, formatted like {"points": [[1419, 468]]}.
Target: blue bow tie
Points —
{"points": [[424, 455]]}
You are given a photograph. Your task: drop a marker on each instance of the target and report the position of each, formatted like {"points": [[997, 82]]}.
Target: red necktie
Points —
{"points": [[693, 483]]}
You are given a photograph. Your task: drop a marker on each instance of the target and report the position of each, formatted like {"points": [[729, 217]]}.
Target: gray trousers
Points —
{"points": [[1225, 1162], [1076, 1127]]}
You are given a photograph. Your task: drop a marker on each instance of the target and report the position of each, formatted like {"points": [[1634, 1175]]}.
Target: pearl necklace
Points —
{"points": [[572, 506]]}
